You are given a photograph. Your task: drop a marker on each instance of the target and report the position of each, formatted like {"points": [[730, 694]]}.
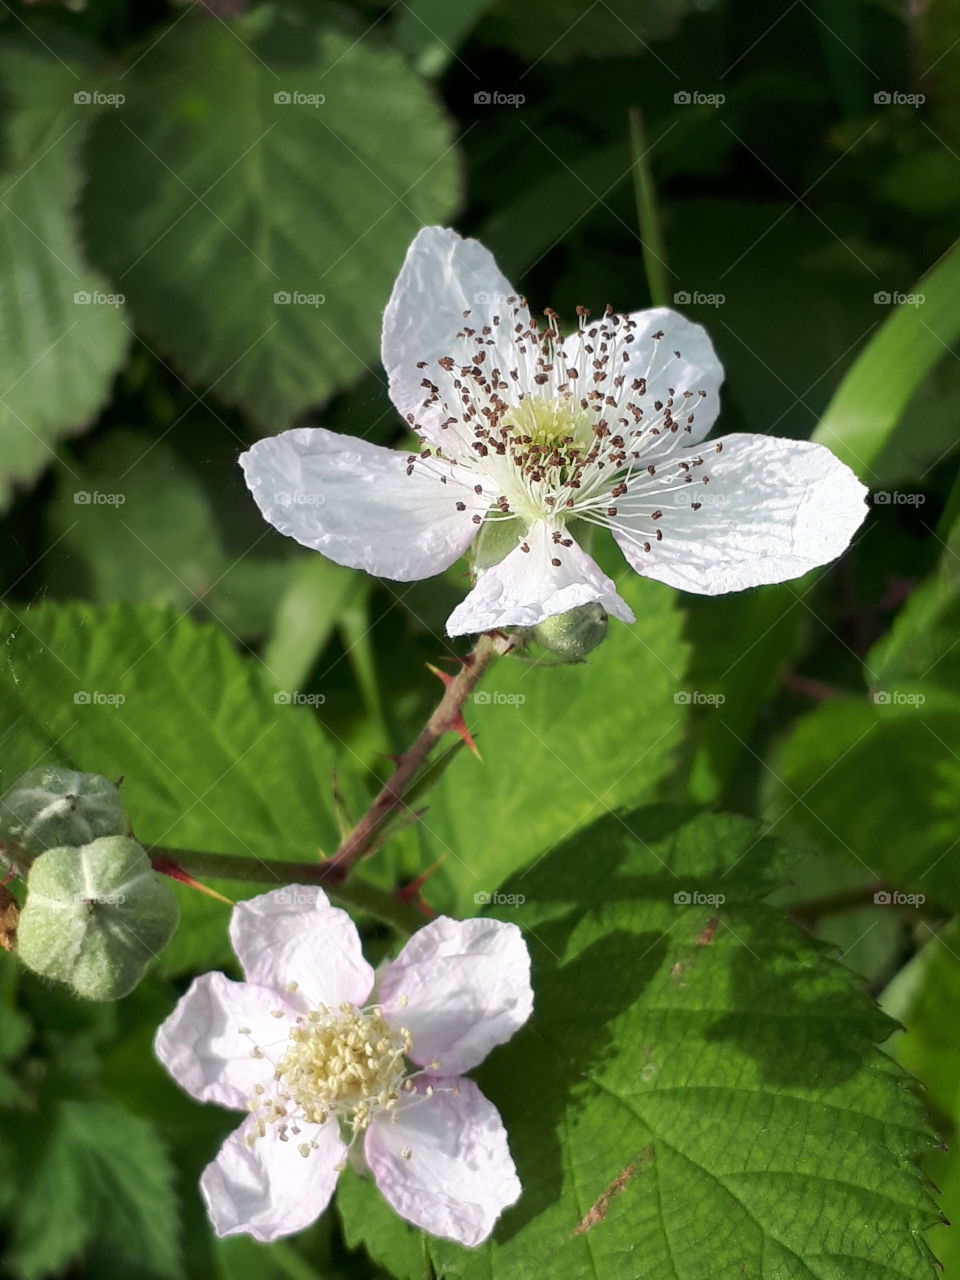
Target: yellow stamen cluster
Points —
{"points": [[346, 1063], [550, 423]]}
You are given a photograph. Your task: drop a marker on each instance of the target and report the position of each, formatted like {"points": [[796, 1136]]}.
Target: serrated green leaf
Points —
{"points": [[561, 745], [211, 761], [246, 182], [698, 1095], [63, 342], [101, 1182]]}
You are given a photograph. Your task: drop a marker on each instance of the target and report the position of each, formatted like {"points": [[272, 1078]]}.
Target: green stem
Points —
{"points": [[648, 215], [384, 906]]}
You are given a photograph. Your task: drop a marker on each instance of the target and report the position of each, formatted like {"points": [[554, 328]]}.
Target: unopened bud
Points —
{"points": [[572, 635], [95, 917], [48, 808]]}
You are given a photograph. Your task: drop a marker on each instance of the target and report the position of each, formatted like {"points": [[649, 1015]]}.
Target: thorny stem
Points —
{"points": [[332, 873], [379, 903], [391, 795]]}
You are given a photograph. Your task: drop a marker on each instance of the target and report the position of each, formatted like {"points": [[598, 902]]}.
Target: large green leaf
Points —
{"points": [[64, 337], [698, 1095], [210, 759], [94, 1178], [562, 746], [226, 186]]}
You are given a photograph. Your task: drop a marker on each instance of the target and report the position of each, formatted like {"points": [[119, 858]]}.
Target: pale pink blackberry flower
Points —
{"points": [[330, 1059]]}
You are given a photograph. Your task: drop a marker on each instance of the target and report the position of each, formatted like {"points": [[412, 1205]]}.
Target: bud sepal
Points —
{"points": [[95, 917], [49, 808]]}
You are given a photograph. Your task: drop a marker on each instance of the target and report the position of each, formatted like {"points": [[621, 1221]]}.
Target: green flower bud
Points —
{"points": [[95, 917], [48, 808], [572, 635]]}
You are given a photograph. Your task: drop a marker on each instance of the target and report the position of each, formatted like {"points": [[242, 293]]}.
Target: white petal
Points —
{"points": [[268, 1189], [668, 375], [526, 587], [294, 935], [201, 1044], [354, 502], [458, 1176], [442, 277], [460, 987], [773, 509]]}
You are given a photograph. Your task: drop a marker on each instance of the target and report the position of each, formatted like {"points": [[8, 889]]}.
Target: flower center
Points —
{"points": [[346, 1063], [550, 424], [591, 427]]}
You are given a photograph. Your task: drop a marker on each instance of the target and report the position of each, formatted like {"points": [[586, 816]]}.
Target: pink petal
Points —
{"points": [[458, 1175], [201, 1044], [460, 987], [294, 935], [269, 1189]]}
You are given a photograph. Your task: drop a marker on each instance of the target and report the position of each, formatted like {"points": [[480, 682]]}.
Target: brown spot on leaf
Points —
{"points": [[598, 1210], [709, 929]]}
